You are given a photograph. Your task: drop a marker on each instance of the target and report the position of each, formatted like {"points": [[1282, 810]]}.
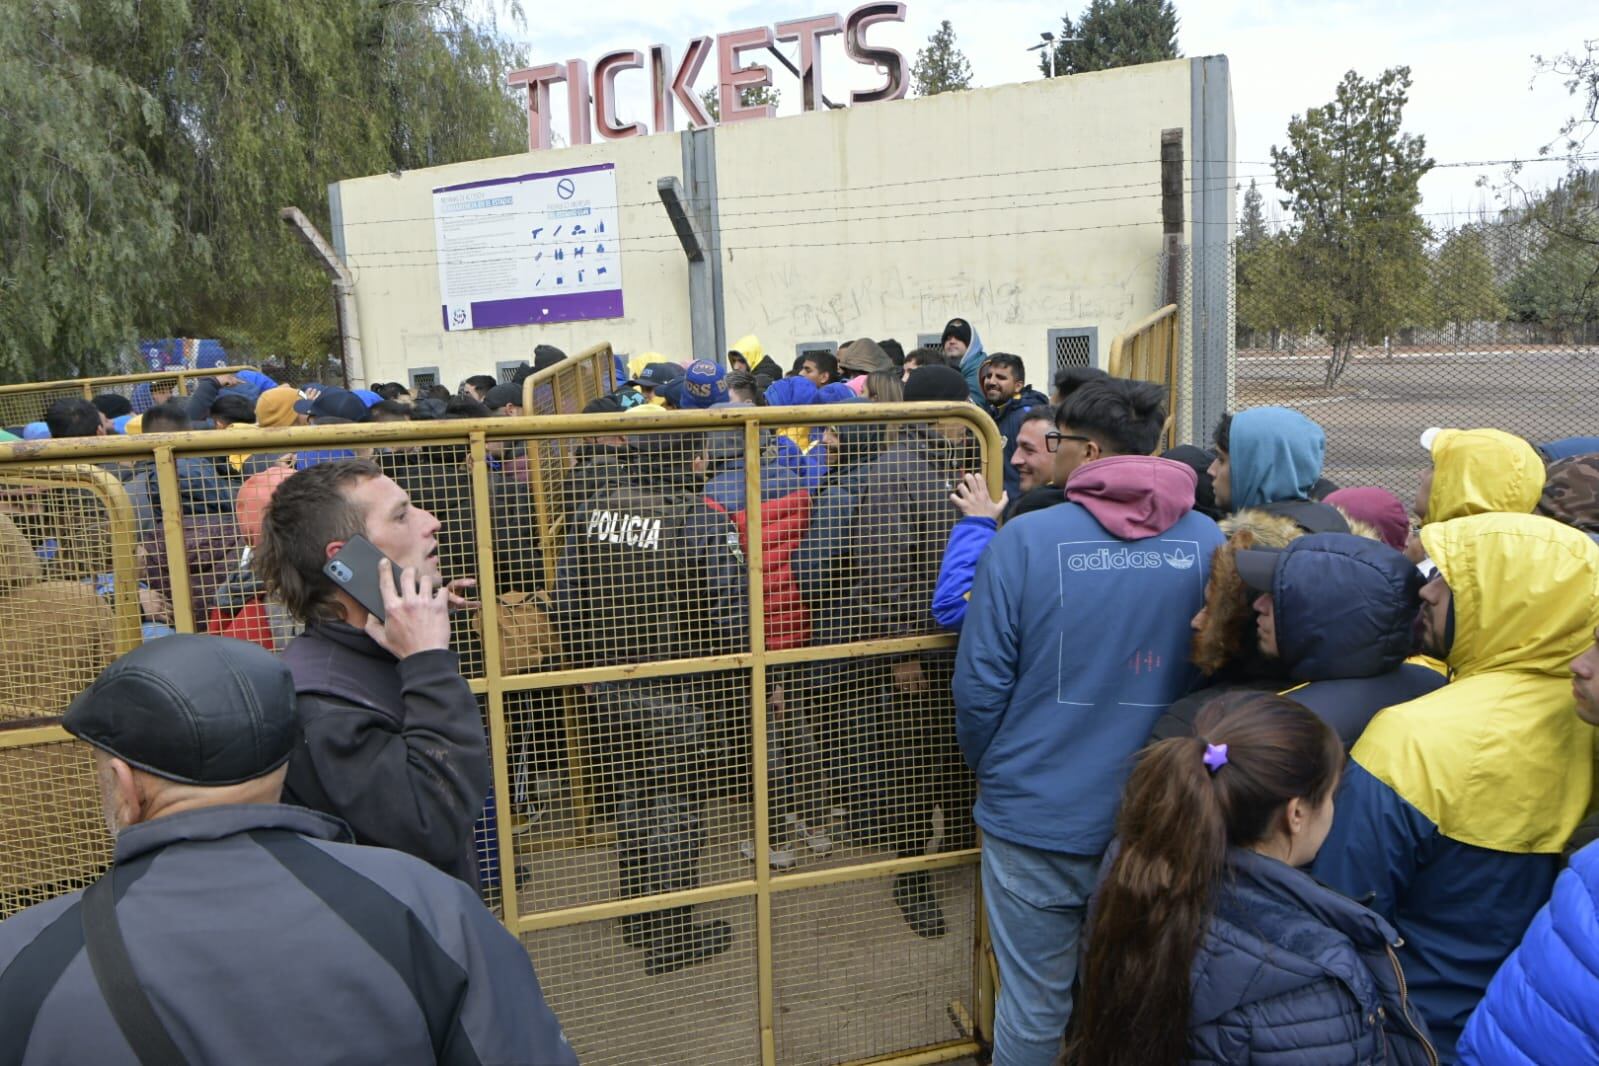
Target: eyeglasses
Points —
{"points": [[1053, 438]]}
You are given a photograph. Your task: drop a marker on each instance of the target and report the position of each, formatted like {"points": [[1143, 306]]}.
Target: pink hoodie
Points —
{"points": [[1134, 496]]}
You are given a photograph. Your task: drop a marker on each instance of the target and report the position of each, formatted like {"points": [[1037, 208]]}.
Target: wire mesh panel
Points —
{"points": [[853, 982], [52, 835], [615, 1012], [1495, 324], [723, 746], [21, 404]]}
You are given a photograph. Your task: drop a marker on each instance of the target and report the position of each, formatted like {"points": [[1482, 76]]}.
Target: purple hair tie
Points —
{"points": [[1215, 756]]}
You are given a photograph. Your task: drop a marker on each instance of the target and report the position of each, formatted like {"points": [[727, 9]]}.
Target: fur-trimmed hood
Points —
{"points": [[1225, 629]]}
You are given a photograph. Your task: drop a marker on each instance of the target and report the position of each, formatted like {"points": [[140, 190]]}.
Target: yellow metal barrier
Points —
{"points": [[651, 752], [1148, 351], [21, 404], [68, 606]]}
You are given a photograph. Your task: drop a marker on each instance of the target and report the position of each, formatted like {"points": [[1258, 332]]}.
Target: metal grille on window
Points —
{"points": [[1072, 350]]}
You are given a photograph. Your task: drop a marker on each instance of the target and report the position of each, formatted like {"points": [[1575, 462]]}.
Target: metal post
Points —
{"points": [[343, 293], [494, 681], [755, 559], [1210, 293], [707, 324]]}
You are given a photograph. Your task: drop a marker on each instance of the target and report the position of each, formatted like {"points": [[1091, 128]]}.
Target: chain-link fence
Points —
{"points": [[729, 819], [1491, 324]]}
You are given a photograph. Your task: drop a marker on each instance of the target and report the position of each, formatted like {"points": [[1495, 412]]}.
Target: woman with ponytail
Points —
{"points": [[1206, 943]]}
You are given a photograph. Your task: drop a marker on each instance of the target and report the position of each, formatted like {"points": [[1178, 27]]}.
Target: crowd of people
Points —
{"points": [[1267, 769]]}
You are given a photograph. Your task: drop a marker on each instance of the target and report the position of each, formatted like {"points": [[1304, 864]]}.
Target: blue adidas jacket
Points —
{"points": [[1543, 1005], [1076, 641]]}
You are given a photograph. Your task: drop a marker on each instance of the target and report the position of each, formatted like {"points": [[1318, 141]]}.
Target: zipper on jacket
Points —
{"points": [[1404, 1005]]}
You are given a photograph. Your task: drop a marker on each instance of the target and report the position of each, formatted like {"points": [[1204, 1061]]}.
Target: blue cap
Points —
{"points": [[704, 384], [35, 431], [672, 392], [367, 396], [334, 402]]}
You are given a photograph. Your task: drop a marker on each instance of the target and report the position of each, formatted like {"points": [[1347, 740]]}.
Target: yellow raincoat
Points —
{"points": [[749, 346], [1498, 758], [1482, 471]]}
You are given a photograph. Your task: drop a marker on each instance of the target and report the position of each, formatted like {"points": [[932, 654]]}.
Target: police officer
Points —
{"points": [[232, 928], [649, 572]]}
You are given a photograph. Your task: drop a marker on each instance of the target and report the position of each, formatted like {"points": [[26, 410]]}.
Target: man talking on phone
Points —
{"points": [[394, 742]]}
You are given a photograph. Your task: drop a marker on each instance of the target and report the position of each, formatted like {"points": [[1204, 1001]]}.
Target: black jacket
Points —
{"points": [[1346, 610], [394, 747], [869, 564], [261, 935]]}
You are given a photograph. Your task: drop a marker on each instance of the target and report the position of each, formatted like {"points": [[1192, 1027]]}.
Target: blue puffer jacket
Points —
{"points": [[1543, 1005], [1292, 973]]}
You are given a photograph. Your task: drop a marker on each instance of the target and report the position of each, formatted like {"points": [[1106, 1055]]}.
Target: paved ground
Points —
{"points": [[1376, 412]]}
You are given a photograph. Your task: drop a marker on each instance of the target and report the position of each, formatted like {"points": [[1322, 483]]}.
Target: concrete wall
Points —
{"points": [[1023, 207], [383, 228]]}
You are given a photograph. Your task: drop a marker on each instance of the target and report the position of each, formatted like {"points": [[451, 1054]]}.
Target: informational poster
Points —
{"points": [[529, 249]]}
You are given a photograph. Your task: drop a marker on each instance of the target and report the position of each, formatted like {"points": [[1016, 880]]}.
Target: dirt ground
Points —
{"points": [[850, 979], [1375, 414]]}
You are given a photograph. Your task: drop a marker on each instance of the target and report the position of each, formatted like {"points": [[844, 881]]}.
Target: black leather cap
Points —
{"points": [[193, 709]]}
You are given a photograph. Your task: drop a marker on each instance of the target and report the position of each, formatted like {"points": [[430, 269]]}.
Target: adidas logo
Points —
{"points": [[1128, 559]]}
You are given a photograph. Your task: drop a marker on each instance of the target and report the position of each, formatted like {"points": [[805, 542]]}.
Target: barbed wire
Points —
{"points": [[1235, 178]]}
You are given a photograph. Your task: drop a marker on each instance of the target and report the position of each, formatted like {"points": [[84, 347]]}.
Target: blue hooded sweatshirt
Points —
{"points": [[1078, 641], [972, 367], [1276, 455]]}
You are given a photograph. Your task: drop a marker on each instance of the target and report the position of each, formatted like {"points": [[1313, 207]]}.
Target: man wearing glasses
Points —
{"points": [[1078, 641], [1043, 458]]}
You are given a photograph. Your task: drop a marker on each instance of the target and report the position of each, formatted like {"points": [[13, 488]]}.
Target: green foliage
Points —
{"points": [[761, 94], [1252, 221], [1557, 286], [941, 66], [1463, 286], [1115, 33], [154, 143], [1352, 182], [86, 215]]}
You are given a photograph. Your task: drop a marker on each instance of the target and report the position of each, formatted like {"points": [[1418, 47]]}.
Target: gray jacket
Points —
{"points": [[260, 936]]}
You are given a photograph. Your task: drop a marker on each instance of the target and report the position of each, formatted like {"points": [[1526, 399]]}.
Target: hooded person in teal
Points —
{"points": [[961, 343], [1269, 459]]}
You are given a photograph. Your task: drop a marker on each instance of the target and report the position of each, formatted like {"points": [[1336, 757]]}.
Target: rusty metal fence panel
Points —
{"points": [[757, 732], [21, 404]]}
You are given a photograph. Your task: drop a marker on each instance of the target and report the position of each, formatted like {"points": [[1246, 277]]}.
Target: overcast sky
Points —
{"points": [[1473, 96]]}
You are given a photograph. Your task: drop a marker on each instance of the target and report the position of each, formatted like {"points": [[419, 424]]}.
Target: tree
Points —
{"points": [[1581, 74], [150, 147], [1249, 254], [1557, 283], [1352, 178], [1115, 33], [756, 97], [1463, 286], [941, 66]]}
